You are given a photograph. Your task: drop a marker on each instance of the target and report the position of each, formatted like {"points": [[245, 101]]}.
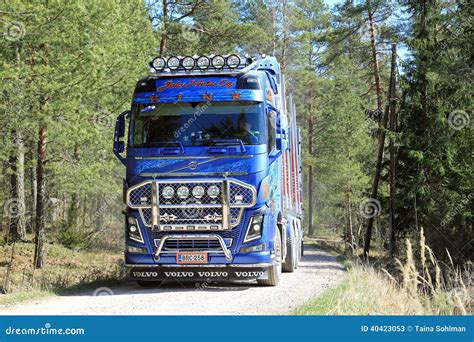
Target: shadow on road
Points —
{"points": [[313, 259]]}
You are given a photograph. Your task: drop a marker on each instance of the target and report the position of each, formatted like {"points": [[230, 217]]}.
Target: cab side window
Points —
{"points": [[271, 130]]}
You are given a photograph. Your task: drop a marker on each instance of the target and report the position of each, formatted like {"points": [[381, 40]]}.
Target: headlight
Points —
{"points": [[218, 62], [254, 230], [213, 191], [233, 61], [188, 63], [158, 63], [198, 191], [134, 232], [173, 63], [203, 62], [168, 192], [183, 192]]}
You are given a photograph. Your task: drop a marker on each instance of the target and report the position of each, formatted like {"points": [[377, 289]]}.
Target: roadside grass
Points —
{"points": [[64, 269], [365, 291], [418, 285]]}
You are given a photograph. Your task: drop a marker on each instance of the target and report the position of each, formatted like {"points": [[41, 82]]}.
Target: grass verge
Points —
{"points": [[65, 269], [367, 290]]}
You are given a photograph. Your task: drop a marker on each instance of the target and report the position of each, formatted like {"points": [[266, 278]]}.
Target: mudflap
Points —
{"points": [[207, 274]]}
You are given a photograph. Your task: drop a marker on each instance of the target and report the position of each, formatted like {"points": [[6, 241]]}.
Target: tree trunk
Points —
{"points": [[16, 206], [378, 166], [164, 34], [41, 199], [311, 229], [33, 189], [393, 129], [375, 65], [349, 229], [75, 198]]}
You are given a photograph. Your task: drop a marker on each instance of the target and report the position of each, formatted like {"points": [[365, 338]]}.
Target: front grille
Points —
{"points": [[229, 237], [196, 212], [235, 216], [193, 245]]}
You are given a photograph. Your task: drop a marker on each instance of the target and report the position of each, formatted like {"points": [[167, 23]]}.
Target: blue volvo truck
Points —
{"points": [[213, 172]]}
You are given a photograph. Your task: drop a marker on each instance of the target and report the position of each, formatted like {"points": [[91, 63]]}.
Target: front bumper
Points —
{"points": [[204, 273], [217, 259]]}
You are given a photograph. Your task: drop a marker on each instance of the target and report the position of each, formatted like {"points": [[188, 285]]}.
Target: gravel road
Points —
{"points": [[317, 272]]}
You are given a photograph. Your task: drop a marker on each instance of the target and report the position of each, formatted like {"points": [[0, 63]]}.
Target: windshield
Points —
{"points": [[198, 123]]}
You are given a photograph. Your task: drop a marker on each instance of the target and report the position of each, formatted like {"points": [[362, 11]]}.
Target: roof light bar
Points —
{"points": [[203, 63], [173, 63], [188, 62], [233, 61], [158, 63], [218, 62]]}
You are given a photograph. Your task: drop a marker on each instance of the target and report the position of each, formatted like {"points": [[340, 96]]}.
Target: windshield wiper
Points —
{"points": [[167, 143], [230, 142]]}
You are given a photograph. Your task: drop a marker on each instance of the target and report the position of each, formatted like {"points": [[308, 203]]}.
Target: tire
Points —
{"points": [[274, 272], [291, 255], [298, 250]]}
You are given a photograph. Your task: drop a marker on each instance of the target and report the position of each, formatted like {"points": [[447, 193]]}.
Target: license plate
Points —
{"points": [[191, 258]]}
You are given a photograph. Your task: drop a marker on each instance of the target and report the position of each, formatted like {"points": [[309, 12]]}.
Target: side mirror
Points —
{"points": [[119, 144]]}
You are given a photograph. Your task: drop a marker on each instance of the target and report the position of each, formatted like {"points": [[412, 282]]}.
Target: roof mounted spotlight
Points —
{"points": [[233, 61], [203, 62], [248, 59], [188, 62], [218, 62], [173, 63], [158, 63]]}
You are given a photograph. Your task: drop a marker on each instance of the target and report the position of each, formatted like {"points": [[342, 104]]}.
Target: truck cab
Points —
{"points": [[213, 176]]}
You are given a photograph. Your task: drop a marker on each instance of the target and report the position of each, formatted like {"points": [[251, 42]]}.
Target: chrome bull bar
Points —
{"points": [[224, 249]]}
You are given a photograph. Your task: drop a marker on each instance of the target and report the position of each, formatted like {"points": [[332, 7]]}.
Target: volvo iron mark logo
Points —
{"points": [[193, 165]]}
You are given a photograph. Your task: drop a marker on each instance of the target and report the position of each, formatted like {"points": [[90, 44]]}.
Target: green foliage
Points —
{"points": [[73, 238], [72, 69], [436, 151], [71, 66]]}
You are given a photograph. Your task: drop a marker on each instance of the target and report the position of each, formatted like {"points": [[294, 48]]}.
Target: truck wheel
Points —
{"points": [[298, 249], [274, 272], [291, 255]]}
